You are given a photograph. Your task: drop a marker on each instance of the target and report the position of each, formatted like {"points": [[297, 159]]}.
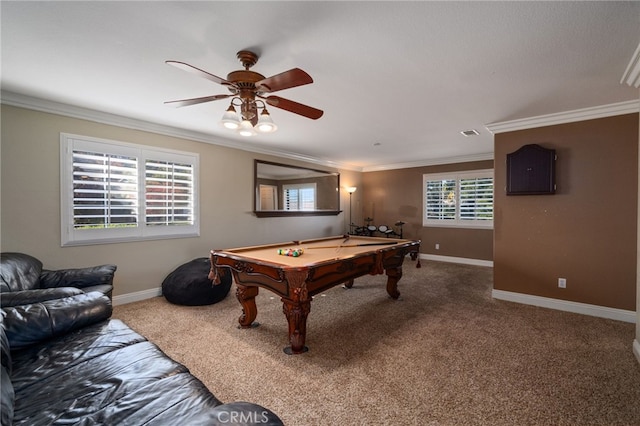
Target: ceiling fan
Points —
{"points": [[244, 87]]}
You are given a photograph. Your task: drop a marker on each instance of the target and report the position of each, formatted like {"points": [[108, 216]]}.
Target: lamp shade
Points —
{"points": [[246, 128], [230, 118], [265, 123]]}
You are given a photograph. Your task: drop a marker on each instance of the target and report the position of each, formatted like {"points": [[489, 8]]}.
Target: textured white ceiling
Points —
{"points": [[398, 81]]}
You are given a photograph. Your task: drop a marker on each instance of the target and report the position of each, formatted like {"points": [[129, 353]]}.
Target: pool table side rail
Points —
{"points": [[321, 275]]}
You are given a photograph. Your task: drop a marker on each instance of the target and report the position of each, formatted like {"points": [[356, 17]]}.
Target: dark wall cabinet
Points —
{"points": [[531, 170]]}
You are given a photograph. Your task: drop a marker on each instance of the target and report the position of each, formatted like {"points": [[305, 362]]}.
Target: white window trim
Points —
{"points": [[73, 237], [455, 223]]}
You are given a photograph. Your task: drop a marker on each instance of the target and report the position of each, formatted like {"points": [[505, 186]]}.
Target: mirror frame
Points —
{"points": [[291, 213]]}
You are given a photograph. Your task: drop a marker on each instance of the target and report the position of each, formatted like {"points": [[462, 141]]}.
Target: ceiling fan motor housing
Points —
{"points": [[244, 81]]}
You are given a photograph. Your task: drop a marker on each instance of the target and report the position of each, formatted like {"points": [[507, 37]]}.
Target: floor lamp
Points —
{"points": [[350, 190]]}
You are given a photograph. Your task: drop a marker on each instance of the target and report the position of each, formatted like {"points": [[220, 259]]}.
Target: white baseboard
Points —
{"points": [[123, 299], [636, 349], [452, 259], [565, 305]]}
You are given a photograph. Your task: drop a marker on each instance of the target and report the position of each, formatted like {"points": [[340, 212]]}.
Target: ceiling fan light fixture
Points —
{"points": [[230, 118], [246, 129], [265, 122], [245, 85]]}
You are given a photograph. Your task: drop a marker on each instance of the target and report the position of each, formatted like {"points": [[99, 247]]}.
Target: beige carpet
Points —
{"points": [[446, 353]]}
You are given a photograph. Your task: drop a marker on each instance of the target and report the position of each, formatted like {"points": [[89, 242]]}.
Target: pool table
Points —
{"points": [[320, 264]]}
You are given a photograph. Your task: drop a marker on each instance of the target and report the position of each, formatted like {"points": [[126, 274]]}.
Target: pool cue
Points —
{"points": [[355, 245]]}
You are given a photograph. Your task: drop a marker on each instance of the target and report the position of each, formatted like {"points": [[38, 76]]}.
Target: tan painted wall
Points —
{"points": [[30, 201], [393, 195], [558, 232], [586, 232]]}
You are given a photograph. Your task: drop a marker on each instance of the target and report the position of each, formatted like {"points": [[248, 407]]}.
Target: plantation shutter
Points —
{"points": [[105, 190], [307, 199], [291, 199], [169, 195], [114, 191], [299, 196], [476, 198], [459, 199], [441, 199]]}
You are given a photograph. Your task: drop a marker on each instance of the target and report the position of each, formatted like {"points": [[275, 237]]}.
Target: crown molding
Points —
{"points": [[72, 111], [631, 75], [58, 108], [432, 162], [610, 110]]}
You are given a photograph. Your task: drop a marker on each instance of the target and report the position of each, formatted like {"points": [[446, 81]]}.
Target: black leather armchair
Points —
{"points": [[23, 281]]}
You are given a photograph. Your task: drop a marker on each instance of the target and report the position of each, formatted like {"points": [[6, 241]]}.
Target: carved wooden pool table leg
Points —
{"points": [[247, 298], [296, 310], [393, 276]]}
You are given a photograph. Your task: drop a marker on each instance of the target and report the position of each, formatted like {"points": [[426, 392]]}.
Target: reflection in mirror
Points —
{"points": [[284, 190]]}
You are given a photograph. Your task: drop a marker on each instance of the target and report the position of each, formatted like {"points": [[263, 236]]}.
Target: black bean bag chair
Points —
{"points": [[189, 284]]}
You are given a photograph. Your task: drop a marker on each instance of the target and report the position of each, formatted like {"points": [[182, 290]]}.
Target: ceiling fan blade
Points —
{"points": [[294, 107], [194, 101], [190, 68], [285, 80]]}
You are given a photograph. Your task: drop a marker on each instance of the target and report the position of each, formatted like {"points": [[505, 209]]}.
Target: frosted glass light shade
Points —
{"points": [[265, 123], [246, 128], [230, 118]]}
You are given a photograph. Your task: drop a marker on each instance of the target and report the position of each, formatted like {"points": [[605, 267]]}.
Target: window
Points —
{"points": [[463, 199], [115, 191], [299, 196]]}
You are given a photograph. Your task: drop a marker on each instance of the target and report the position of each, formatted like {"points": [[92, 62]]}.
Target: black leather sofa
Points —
{"points": [[65, 361], [22, 280]]}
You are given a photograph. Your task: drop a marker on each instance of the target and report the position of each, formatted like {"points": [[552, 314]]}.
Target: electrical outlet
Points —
{"points": [[437, 246], [562, 282]]}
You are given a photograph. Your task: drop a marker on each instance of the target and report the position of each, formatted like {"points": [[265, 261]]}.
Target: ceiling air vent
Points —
{"points": [[471, 132]]}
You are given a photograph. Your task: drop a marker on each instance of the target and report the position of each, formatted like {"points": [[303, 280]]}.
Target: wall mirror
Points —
{"points": [[285, 190]]}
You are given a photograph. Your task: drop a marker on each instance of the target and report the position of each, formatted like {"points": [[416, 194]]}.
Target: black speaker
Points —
{"points": [[531, 170]]}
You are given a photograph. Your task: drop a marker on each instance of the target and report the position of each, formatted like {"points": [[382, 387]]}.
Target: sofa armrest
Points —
{"points": [[26, 297], [29, 324], [81, 277], [245, 414], [7, 393]]}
